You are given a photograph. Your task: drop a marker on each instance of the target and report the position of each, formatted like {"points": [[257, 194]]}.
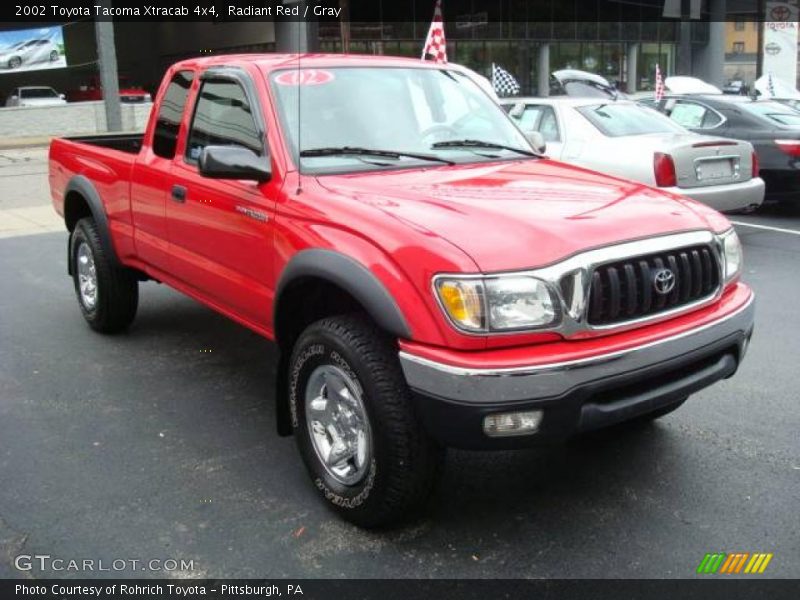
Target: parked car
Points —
{"points": [[772, 128], [29, 52], [582, 84], [429, 279], [35, 96], [128, 92], [736, 87], [627, 140]]}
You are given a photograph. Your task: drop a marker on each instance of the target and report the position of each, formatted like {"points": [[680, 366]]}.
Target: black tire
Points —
{"points": [[14, 62], [117, 288], [54, 56], [404, 461]]}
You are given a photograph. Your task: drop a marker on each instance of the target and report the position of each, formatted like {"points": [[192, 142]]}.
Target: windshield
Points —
{"points": [[775, 112], [400, 110], [615, 120], [39, 93]]}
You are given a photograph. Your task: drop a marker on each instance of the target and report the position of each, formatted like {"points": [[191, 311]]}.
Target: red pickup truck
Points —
{"points": [[431, 280]]}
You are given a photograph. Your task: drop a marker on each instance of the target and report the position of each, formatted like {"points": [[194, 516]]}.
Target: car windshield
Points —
{"points": [[775, 112], [434, 116], [615, 120], [39, 93]]}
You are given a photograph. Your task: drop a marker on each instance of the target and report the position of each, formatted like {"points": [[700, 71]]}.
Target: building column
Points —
{"points": [[631, 68], [296, 36], [709, 64], [683, 60], [107, 66], [543, 71]]}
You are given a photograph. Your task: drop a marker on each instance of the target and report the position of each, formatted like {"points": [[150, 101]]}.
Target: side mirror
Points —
{"points": [[537, 141], [233, 162], [62, 96], [517, 110]]}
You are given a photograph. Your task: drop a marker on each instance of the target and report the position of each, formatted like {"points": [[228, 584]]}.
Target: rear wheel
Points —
{"points": [[352, 414], [14, 62], [53, 56], [108, 295]]}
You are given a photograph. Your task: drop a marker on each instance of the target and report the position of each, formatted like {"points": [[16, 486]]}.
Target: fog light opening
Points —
{"points": [[513, 423]]}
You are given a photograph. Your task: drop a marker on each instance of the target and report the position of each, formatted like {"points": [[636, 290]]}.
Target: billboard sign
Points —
{"points": [[780, 40], [32, 49]]}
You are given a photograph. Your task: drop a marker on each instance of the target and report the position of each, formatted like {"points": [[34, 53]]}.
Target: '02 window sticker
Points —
{"points": [[304, 77]]}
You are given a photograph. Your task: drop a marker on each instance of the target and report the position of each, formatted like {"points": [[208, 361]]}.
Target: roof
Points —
{"points": [[272, 61]]}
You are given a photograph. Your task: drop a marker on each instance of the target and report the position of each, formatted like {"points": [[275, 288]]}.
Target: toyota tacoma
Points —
{"points": [[430, 280]]}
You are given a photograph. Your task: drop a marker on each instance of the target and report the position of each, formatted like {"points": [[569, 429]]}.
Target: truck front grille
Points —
{"points": [[628, 289]]}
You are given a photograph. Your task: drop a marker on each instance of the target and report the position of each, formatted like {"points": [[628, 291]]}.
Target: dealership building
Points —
{"points": [[621, 40]]}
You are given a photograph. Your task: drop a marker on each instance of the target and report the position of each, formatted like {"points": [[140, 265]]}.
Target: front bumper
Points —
{"points": [[727, 197], [577, 395]]}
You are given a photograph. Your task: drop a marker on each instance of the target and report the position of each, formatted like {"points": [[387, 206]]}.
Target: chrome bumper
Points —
{"points": [[498, 385]]}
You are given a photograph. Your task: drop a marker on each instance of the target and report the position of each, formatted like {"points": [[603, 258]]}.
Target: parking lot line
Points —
{"points": [[767, 227]]}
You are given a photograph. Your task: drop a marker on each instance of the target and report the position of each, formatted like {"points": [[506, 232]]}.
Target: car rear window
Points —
{"points": [[615, 120], [775, 112]]}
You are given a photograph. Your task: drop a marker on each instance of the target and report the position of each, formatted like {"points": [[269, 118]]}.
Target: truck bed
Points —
{"points": [[125, 142]]}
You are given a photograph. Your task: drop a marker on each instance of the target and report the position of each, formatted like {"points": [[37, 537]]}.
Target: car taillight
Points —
{"points": [[664, 169], [790, 147], [755, 165]]}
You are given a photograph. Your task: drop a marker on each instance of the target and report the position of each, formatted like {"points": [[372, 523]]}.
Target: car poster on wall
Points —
{"points": [[32, 49]]}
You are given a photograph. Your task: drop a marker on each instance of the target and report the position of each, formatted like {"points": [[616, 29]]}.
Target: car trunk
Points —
{"points": [[702, 161]]}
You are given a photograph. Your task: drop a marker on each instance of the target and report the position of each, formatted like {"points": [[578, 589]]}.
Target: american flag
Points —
{"points": [[659, 84], [435, 46]]}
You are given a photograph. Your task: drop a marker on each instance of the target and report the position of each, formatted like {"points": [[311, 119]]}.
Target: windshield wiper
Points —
{"points": [[482, 144], [356, 151]]}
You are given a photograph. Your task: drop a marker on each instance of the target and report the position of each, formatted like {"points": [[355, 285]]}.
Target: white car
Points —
{"points": [[35, 96], [29, 52], [621, 138]]}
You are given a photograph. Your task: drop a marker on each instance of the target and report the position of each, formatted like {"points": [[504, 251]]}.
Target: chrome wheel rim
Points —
{"points": [[87, 276], [338, 424]]}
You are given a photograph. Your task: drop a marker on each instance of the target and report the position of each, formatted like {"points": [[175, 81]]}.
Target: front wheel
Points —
{"points": [[53, 56], [14, 62], [353, 418], [108, 295]]}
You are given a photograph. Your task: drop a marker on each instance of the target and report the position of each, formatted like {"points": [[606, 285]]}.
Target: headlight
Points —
{"points": [[504, 303], [732, 255]]}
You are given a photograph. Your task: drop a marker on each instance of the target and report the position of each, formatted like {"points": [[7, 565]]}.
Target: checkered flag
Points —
{"points": [[659, 84], [435, 45], [504, 83]]}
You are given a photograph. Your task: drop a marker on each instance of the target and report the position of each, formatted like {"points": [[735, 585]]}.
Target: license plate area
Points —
{"points": [[717, 168]]}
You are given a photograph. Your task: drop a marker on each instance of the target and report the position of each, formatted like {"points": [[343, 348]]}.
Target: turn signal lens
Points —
{"points": [[462, 299], [755, 168], [664, 170]]}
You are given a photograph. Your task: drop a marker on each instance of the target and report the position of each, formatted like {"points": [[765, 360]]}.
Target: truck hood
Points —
{"points": [[522, 214]]}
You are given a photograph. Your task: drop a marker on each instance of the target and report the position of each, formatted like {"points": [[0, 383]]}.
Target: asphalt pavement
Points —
{"points": [[160, 444]]}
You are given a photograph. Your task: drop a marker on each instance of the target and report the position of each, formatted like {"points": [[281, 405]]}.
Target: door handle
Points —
{"points": [[179, 193]]}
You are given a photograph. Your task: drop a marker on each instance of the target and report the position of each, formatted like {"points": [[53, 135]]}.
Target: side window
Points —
{"points": [[529, 118], [222, 116], [694, 116], [548, 125], [165, 138]]}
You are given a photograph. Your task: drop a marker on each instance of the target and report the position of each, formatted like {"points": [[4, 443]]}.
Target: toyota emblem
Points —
{"points": [[664, 281]]}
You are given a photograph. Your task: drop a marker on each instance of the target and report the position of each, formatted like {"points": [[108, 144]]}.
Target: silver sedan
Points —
{"points": [[620, 138]]}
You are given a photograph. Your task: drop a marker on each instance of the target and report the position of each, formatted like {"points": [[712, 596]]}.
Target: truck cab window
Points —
{"points": [[165, 137], [222, 117]]}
